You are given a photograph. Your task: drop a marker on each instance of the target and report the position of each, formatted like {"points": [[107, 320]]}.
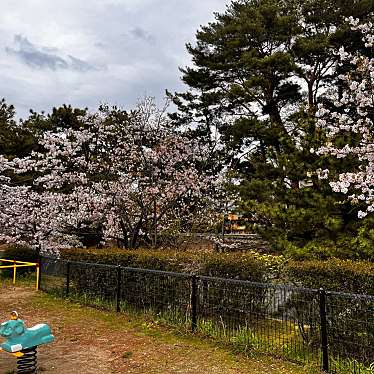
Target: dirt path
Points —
{"points": [[96, 342]]}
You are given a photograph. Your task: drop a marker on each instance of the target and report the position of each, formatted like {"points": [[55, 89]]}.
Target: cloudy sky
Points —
{"points": [[86, 52]]}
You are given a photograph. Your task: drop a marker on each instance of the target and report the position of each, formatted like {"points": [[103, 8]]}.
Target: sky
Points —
{"points": [[84, 53]]}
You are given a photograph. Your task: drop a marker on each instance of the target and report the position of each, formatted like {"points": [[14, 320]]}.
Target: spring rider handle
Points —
{"points": [[22, 342]]}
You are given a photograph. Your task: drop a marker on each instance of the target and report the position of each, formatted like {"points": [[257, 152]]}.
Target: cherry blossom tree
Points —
{"points": [[348, 122], [129, 175]]}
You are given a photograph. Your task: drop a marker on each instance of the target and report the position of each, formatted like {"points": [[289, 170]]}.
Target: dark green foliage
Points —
{"points": [[20, 253], [349, 316], [348, 238], [102, 280], [258, 74], [248, 266], [14, 139], [333, 274], [61, 118]]}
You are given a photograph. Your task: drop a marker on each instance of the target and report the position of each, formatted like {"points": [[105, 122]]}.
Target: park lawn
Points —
{"points": [[89, 341]]}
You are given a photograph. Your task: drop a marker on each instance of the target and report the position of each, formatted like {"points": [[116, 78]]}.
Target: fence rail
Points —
{"points": [[330, 330]]}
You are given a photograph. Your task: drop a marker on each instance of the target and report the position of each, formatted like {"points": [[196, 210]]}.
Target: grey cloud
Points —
{"points": [[81, 65], [43, 58], [100, 45], [134, 48], [139, 33], [50, 49]]}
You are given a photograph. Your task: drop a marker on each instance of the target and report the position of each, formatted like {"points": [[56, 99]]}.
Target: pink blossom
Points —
{"points": [[357, 101]]}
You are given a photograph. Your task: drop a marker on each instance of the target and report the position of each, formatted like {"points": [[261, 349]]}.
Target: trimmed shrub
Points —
{"points": [[333, 275], [247, 266], [20, 253], [160, 292]]}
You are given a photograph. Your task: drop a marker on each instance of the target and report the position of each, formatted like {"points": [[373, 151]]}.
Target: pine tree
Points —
{"points": [[258, 72]]}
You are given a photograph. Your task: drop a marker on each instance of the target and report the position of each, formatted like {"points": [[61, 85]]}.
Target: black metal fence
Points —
{"points": [[330, 330]]}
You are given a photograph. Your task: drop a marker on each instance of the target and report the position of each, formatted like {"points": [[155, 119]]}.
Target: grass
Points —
{"points": [[170, 325], [351, 366], [242, 340], [157, 330]]}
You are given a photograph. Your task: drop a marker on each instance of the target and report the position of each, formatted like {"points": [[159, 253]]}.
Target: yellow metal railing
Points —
{"points": [[20, 264]]}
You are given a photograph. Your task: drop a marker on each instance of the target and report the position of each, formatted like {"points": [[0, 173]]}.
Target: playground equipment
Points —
{"points": [[20, 264], [22, 342]]}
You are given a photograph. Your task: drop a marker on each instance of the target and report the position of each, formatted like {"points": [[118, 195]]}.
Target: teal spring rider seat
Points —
{"points": [[22, 342]]}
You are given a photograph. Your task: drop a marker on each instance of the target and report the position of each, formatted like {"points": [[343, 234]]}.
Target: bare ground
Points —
{"points": [[89, 341]]}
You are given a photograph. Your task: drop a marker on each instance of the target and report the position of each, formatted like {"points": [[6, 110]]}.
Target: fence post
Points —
{"points": [[67, 278], [193, 302], [119, 284], [324, 339], [14, 271], [39, 273]]}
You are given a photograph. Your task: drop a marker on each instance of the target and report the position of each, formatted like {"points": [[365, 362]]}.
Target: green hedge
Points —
{"points": [[249, 266], [333, 274]]}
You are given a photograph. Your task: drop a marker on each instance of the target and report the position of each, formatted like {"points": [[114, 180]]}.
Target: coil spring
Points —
{"points": [[27, 364]]}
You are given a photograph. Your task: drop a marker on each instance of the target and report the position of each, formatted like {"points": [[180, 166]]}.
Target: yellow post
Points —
{"points": [[14, 272], [37, 276]]}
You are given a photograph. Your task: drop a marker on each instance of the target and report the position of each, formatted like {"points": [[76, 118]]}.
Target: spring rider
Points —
{"points": [[22, 342]]}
